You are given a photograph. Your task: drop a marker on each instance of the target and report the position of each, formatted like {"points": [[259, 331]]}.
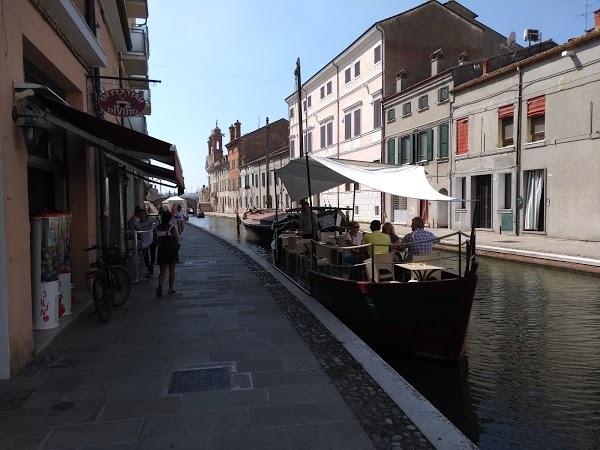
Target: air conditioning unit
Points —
{"points": [[531, 35]]}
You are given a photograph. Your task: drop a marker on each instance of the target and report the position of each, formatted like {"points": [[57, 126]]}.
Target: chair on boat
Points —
{"points": [[432, 258], [322, 255], [384, 267], [292, 250], [328, 237]]}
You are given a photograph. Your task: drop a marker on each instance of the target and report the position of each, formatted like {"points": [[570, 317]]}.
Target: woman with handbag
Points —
{"points": [[168, 251]]}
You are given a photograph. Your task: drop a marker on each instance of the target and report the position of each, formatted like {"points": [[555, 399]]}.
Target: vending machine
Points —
{"points": [[45, 262]]}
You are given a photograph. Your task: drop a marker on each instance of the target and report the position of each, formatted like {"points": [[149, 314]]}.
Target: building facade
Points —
{"points": [[526, 144], [341, 104], [60, 152]]}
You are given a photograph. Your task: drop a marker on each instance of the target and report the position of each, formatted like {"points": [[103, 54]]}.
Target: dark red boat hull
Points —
{"points": [[429, 318]]}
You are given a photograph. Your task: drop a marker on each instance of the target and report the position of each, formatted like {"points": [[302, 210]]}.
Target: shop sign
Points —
{"points": [[122, 102]]}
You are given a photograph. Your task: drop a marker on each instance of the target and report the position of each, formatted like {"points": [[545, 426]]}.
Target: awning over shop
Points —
{"points": [[327, 173], [151, 170], [115, 138]]}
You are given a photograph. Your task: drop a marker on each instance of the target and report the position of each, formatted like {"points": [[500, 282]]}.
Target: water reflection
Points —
{"points": [[532, 373]]}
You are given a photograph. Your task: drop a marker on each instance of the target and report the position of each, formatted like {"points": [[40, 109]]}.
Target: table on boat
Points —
{"points": [[422, 271]]}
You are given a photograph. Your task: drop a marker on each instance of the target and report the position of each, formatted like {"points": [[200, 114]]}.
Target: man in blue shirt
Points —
{"points": [[414, 240]]}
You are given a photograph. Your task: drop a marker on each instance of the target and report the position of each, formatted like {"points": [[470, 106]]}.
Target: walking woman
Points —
{"points": [[168, 252]]}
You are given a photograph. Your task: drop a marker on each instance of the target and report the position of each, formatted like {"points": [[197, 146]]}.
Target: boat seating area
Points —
{"points": [[328, 256]]}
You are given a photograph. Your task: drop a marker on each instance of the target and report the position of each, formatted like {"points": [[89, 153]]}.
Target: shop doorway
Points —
{"points": [[400, 209], [483, 191], [41, 190]]}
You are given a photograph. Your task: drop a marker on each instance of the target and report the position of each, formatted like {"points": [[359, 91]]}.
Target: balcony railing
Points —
{"points": [[136, 60], [136, 123], [137, 9]]}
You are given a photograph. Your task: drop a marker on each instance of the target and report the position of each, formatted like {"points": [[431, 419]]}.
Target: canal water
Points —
{"points": [[531, 376]]}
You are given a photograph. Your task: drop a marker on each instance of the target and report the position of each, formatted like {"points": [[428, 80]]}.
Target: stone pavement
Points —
{"points": [[108, 386]]}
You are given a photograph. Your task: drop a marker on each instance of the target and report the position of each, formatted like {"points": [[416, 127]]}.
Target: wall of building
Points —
{"points": [[569, 154]]}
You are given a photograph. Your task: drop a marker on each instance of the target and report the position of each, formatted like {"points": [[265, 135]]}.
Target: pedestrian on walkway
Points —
{"points": [[168, 252], [147, 242]]}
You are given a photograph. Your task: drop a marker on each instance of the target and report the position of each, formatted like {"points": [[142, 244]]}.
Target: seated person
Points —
{"points": [[134, 221], [412, 241], [353, 238], [376, 237]]}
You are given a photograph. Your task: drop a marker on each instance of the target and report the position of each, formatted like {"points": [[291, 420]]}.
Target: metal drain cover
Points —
{"points": [[63, 406], [212, 379], [12, 400]]}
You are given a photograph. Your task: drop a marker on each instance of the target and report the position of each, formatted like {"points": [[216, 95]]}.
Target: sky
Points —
{"points": [[234, 59]]}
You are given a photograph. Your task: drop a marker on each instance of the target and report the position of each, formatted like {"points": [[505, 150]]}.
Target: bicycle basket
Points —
{"points": [[112, 257]]}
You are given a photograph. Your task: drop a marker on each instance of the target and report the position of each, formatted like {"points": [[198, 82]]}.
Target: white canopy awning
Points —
{"points": [[326, 173]]}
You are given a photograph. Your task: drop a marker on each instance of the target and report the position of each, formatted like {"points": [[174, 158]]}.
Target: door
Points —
{"points": [[442, 211], [424, 210], [535, 211], [483, 192], [400, 209]]}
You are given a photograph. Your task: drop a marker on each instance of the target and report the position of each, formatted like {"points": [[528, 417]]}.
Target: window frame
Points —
{"points": [[347, 75], [328, 87], [423, 105], [377, 113], [406, 109], [391, 115], [377, 54], [356, 66], [446, 90]]}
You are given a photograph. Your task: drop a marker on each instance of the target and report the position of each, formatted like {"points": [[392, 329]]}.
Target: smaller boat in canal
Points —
{"points": [[262, 221]]}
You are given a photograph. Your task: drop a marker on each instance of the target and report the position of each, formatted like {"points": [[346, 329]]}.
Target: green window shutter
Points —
{"points": [[400, 160], [429, 144], [413, 147], [391, 151], [443, 141]]}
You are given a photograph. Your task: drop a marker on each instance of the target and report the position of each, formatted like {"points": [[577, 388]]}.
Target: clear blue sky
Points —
{"points": [[234, 59]]}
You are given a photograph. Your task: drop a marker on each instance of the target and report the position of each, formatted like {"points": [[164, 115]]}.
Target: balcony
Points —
{"points": [[136, 60], [137, 9], [136, 123]]}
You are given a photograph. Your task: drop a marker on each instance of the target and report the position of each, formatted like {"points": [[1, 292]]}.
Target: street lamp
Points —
{"points": [[31, 128]]}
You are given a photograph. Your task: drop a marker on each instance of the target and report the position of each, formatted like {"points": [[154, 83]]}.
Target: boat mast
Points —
{"points": [[267, 166], [299, 83]]}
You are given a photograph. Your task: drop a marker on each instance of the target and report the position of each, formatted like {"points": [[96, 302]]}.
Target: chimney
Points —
{"points": [[486, 67], [238, 128], [231, 133], [597, 20], [437, 62], [463, 58], [401, 80]]}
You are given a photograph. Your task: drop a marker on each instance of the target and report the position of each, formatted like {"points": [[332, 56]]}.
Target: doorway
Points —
{"points": [[535, 193], [442, 211], [483, 192], [400, 209], [424, 210]]}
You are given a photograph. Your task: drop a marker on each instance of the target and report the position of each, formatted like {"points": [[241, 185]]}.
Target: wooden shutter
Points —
{"points": [[429, 144], [413, 147], [357, 122], [323, 136], [400, 150], [443, 141], [536, 106], [391, 151], [462, 136], [348, 126], [330, 133], [506, 111]]}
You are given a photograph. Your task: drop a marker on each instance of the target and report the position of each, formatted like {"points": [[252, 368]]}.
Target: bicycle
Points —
{"points": [[111, 284]]}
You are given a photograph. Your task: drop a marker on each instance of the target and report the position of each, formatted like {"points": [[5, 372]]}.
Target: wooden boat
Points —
{"points": [[261, 221], [428, 318]]}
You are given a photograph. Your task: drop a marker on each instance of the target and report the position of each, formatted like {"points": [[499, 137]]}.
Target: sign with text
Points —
{"points": [[122, 102]]}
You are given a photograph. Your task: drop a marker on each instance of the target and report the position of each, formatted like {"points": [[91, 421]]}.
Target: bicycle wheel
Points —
{"points": [[100, 297], [121, 285]]}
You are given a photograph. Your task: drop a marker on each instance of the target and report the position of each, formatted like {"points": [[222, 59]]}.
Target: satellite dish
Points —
{"points": [[512, 37]]}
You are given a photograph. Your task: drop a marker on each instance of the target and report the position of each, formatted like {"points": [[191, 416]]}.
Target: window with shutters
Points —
{"points": [[347, 75], [462, 136], [391, 151], [326, 133], [391, 115], [348, 126], [377, 113], [309, 101], [376, 211], [322, 92], [423, 102], [357, 69], [329, 88], [308, 142], [536, 118], [443, 132], [357, 122], [406, 109], [422, 146], [377, 54], [291, 113], [292, 148], [505, 126], [263, 179], [443, 94], [406, 149]]}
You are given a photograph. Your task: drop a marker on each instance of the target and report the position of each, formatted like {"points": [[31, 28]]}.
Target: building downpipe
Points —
{"points": [[519, 147]]}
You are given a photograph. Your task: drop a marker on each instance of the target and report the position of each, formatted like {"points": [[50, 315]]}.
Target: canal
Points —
{"points": [[531, 375]]}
